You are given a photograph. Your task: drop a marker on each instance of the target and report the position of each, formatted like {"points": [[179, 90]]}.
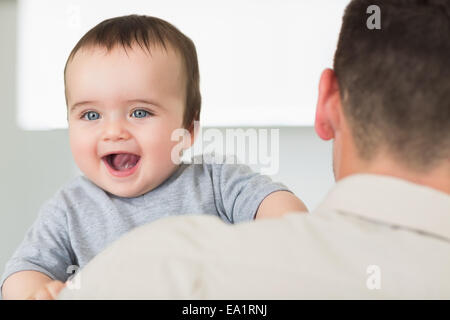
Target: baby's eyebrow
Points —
{"points": [[79, 104], [146, 101]]}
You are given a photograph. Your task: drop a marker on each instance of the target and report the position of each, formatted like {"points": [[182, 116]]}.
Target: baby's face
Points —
{"points": [[122, 112]]}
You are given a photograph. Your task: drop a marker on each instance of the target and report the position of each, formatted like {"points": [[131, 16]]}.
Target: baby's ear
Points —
{"points": [[193, 131]]}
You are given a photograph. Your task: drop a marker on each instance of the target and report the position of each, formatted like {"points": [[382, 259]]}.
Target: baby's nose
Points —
{"points": [[115, 130]]}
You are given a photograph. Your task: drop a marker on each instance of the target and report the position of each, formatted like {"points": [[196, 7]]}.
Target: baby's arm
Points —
{"points": [[44, 254], [30, 285], [279, 203]]}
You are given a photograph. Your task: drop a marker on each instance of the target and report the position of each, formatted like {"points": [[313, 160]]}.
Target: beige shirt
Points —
{"points": [[372, 237]]}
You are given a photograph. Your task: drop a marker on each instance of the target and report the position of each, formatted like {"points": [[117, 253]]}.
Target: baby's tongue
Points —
{"points": [[123, 161]]}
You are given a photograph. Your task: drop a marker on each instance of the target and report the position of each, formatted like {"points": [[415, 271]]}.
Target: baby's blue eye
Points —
{"points": [[91, 115], [140, 113]]}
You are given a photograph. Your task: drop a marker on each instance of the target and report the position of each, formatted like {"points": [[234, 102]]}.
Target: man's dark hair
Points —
{"points": [[395, 81], [146, 32]]}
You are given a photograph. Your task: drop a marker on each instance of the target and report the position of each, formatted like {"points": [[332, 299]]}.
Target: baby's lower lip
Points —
{"points": [[123, 173]]}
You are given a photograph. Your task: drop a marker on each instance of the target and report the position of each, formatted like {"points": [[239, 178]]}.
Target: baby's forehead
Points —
{"points": [[135, 51], [102, 72], [155, 58]]}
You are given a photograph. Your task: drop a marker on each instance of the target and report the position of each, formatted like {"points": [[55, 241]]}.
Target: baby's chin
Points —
{"points": [[133, 186], [132, 189], [124, 194], [126, 191]]}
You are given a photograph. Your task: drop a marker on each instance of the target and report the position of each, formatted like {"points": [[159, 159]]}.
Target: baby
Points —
{"points": [[130, 82]]}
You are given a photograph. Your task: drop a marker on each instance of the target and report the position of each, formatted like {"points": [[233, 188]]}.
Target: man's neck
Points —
{"points": [[437, 178]]}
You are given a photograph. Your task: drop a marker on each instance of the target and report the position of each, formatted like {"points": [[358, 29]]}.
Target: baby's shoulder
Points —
{"points": [[74, 193], [215, 161], [213, 165]]}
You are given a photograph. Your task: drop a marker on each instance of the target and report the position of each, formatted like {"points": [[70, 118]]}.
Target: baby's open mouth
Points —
{"points": [[122, 161]]}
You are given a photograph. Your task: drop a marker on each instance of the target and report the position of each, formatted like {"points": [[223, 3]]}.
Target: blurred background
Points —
{"points": [[35, 156]]}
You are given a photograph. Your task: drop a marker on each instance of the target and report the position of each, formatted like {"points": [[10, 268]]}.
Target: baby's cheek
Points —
{"points": [[84, 152], [163, 151], [159, 150]]}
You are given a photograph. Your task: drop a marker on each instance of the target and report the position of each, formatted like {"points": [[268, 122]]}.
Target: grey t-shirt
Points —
{"points": [[81, 219]]}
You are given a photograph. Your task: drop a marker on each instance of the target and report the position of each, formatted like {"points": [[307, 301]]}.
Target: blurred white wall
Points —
{"points": [[244, 48], [34, 164]]}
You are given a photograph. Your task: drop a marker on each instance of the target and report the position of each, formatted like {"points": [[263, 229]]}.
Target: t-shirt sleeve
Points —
{"points": [[46, 247], [240, 191]]}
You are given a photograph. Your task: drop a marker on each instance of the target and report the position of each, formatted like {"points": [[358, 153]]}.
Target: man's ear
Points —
{"points": [[328, 106]]}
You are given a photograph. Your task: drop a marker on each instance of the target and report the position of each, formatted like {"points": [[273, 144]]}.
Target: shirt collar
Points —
{"points": [[393, 201]]}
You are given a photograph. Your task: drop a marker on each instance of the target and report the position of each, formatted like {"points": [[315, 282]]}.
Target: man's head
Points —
{"points": [[388, 97], [129, 83]]}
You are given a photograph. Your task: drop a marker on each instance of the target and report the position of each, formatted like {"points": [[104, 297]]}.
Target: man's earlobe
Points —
{"points": [[323, 130]]}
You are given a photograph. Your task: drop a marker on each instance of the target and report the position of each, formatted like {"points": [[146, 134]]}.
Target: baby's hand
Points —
{"points": [[49, 291]]}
